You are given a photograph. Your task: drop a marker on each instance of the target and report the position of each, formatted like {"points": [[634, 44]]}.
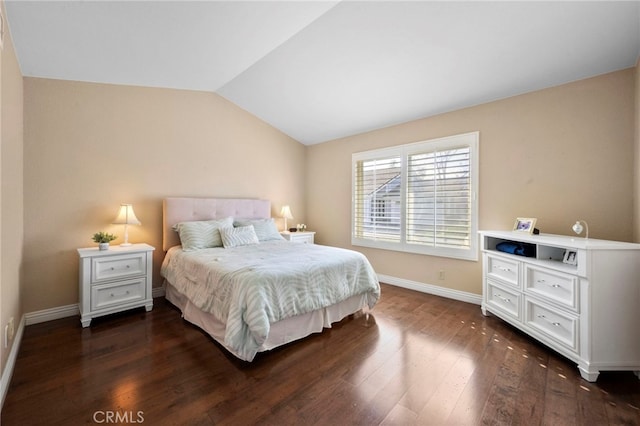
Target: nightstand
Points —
{"points": [[114, 280], [299, 237]]}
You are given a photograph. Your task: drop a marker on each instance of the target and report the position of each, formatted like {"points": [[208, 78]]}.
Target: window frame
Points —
{"points": [[470, 140]]}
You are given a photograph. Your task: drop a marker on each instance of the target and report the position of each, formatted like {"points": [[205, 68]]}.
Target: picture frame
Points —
{"points": [[525, 224], [570, 257]]}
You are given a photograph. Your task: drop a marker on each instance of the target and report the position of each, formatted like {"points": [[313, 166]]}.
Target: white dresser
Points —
{"points": [[587, 310], [114, 280]]}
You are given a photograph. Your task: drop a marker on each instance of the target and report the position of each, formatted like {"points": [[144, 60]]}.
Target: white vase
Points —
{"points": [[103, 246]]}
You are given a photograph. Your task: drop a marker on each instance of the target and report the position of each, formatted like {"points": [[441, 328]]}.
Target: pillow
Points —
{"points": [[236, 237], [199, 235], [265, 229]]}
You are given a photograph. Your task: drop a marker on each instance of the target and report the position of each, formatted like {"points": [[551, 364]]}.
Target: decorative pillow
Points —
{"points": [[265, 229], [199, 235], [236, 237]]}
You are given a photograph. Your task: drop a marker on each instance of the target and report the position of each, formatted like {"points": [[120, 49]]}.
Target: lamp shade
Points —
{"points": [[126, 216], [286, 212], [578, 228]]}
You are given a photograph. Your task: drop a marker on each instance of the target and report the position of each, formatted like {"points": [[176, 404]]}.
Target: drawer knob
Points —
{"points": [[550, 285], [556, 324], [504, 299]]}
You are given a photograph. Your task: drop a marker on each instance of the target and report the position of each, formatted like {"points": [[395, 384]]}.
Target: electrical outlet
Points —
{"points": [[9, 332], [12, 328], [441, 274]]}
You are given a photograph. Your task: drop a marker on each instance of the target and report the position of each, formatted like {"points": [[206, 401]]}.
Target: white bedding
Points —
{"points": [[250, 287]]}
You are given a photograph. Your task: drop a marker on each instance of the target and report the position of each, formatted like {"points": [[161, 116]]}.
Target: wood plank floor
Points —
{"points": [[416, 360]]}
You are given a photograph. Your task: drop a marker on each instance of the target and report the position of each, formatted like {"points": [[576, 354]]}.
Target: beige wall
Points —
{"points": [[11, 195], [90, 147], [559, 155], [636, 180]]}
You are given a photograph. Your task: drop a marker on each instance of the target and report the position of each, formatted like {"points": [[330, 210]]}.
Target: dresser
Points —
{"points": [[580, 297], [114, 280], [299, 237]]}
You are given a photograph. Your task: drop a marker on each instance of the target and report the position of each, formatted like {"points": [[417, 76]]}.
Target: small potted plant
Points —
{"points": [[103, 239]]}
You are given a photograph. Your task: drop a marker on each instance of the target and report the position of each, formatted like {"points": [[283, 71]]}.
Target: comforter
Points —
{"points": [[250, 287]]}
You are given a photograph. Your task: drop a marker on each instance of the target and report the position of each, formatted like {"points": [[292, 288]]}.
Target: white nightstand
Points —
{"points": [[114, 280], [299, 237]]}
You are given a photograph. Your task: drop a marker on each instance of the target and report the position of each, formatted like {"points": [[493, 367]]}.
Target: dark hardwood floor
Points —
{"points": [[417, 359]]}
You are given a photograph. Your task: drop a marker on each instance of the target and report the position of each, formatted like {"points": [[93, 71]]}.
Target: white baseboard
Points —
{"points": [[462, 296], [11, 362], [52, 314], [157, 291], [68, 310]]}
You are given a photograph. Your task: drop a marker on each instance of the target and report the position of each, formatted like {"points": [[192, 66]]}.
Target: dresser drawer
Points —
{"points": [[504, 300], [506, 270], [109, 268], [122, 292], [558, 326], [553, 286]]}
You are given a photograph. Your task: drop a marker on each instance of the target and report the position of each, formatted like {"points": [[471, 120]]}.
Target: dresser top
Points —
{"points": [[576, 242]]}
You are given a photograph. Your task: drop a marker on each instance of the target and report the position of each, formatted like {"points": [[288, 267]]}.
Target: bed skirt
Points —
{"points": [[281, 332]]}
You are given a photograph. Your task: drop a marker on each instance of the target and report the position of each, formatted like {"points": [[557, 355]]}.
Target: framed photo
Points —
{"points": [[525, 224], [570, 257]]}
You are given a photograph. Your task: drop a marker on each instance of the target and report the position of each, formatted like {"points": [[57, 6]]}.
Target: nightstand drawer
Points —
{"points": [[305, 237], [115, 267], [122, 292]]}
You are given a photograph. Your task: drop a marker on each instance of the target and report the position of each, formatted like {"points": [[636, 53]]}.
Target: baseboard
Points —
{"points": [[68, 310], [462, 296], [157, 292], [52, 314], [11, 362], [72, 310]]}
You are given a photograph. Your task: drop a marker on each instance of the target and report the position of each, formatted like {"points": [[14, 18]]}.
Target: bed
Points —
{"points": [[231, 273]]}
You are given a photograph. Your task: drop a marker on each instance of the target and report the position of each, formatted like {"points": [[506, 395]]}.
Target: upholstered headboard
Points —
{"points": [[180, 209]]}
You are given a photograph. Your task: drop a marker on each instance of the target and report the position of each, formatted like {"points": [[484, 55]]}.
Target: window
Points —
{"points": [[419, 198]]}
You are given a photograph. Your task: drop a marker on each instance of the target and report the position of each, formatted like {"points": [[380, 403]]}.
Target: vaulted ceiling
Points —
{"points": [[321, 70]]}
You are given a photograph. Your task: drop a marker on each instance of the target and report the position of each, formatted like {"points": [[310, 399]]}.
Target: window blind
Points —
{"points": [[378, 199], [438, 209], [419, 197]]}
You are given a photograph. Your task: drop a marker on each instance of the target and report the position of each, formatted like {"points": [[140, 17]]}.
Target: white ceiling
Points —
{"points": [[323, 70]]}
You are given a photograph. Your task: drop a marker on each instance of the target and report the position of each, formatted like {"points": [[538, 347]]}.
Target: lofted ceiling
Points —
{"points": [[321, 70]]}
